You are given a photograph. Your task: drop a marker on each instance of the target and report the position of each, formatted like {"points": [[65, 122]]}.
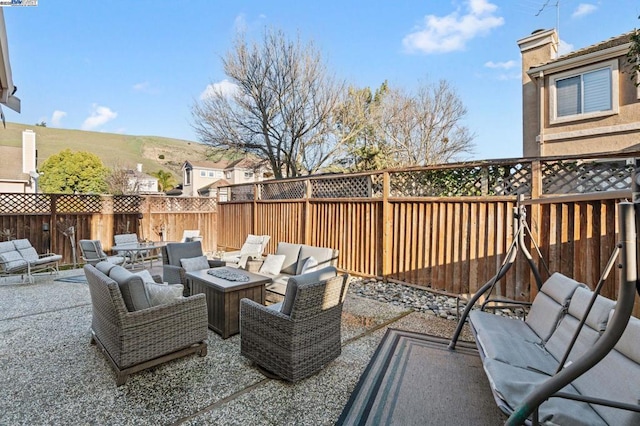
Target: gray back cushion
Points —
{"points": [[131, 287], [616, 377], [293, 283], [177, 251], [291, 253], [599, 313], [548, 306], [105, 267], [322, 254]]}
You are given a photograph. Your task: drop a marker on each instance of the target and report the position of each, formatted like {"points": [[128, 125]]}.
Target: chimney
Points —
{"points": [[139, 167], [28, 151], [537, 49]]}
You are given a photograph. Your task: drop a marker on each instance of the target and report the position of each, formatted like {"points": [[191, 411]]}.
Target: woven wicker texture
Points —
{"points": [[297, 346], [131, 338]]}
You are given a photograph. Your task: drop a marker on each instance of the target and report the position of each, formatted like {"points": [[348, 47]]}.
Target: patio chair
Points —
{"points": [[92, 253], [18, 257], [296, 338], [191, 235], [253, 247], [173, 270], [124, 240], [136, 340]]}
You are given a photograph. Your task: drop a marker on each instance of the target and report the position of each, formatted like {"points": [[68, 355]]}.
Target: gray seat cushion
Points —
{"points": [[513, 384]]}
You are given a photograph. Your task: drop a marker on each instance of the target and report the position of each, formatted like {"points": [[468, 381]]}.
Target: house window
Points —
{"points": [[211, 174], [187, 177], [248, 175], [203, 173], [585, 93], [227, 175]]}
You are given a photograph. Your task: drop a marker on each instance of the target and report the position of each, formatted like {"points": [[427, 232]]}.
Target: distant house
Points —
{"points": [[141, 183], [18, 166], [203, 178], [578, 103]]}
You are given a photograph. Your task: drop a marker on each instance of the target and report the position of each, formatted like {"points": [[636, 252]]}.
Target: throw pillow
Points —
{"points": [[309, 265], [254, 239], [145, 275], [161, 294], [272, 264], [249, 248], [195, 263]]}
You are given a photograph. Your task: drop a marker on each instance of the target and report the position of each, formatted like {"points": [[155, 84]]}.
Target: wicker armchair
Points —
{"points": [[299, 336], [172, 270], [134, 341]]}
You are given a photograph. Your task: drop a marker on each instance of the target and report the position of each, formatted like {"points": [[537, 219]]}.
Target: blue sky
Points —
{"points": [[137, 67]]}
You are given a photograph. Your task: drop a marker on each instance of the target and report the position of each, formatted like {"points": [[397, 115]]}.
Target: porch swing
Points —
{"points": [[548, 367]]}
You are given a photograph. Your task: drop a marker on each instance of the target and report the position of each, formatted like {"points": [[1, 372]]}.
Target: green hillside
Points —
{"points": [[114, 149]]}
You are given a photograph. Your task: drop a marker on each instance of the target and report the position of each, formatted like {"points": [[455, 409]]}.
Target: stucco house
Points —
{"points": [[18, 166], [142, 183], [202, 178], [580, 102]]}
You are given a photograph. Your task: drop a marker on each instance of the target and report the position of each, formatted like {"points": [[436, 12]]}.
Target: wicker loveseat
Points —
{"points": [[18, 257], [133, 340], [295, 256], [299, 336]]}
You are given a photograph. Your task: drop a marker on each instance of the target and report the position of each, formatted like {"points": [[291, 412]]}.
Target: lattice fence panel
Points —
{"points": [[509, 179], [570, 177], [182, 204], [25, 203], [126, 203], [78, 203], [282, 190], [241, 193], [471, 181], [342, 187]]}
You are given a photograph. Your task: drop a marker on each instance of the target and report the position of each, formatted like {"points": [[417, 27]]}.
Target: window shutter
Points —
{"points": [[597, 90], [568, 96]]}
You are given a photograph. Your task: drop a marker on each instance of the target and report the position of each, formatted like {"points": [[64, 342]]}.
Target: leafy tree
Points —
{"points": [[166, 181], [359, 117], [73, 172], [282, 109], [633, 55]]}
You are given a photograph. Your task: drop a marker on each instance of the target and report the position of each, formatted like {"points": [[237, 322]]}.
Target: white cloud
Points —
{"points": [[145, 87], [501, 65], [99, 116], [584, 9], [240, 23], [452, 32], [564, 48], [224, 87], [57, 116]]}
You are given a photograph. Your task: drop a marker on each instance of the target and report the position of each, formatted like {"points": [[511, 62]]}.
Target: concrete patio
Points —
{"points": [[52, 375]]}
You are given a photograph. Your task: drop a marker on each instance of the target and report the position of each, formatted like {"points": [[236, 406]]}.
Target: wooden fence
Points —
{"points": [[44, 219], [445, 227]]}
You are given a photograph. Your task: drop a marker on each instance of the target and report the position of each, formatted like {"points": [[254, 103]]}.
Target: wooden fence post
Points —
{"points": [[254, 209], [536, 218], [387, 227], [307, 212]]}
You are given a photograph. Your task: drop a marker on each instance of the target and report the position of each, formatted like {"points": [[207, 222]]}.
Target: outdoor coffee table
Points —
{"points": [[223, 296]]}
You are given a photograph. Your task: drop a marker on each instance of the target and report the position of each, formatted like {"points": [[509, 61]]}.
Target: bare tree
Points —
{"points": [[426, 128], [122, 181], [282, 109]]}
